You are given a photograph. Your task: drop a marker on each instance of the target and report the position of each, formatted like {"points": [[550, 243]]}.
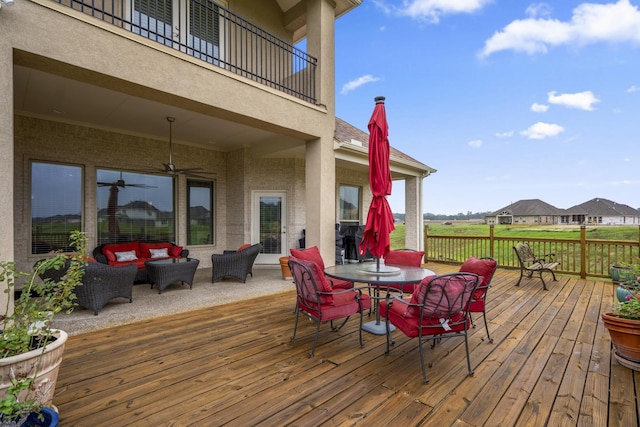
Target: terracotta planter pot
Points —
{"points": [[25, 365], [284, 265], [625, 335]]}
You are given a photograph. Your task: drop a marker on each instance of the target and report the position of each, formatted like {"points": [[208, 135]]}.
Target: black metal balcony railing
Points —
{"points": [[583, 257], [211, 33]]}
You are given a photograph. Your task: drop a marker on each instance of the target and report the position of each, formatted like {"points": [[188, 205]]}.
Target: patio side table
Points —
{"points": [[163, 272]]}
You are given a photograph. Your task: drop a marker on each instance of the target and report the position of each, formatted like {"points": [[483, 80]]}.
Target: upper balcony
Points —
{"points": [[207, 31]]}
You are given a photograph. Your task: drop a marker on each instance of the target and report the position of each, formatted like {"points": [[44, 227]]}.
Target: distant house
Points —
{"points": [[603, 211], [532, 211], [595, 211]]}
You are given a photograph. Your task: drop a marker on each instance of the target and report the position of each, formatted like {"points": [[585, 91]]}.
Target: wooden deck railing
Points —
{"points": [[583, 257]]}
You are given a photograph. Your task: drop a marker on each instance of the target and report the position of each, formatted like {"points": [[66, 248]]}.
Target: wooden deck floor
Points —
{"points": [[550, 365]]}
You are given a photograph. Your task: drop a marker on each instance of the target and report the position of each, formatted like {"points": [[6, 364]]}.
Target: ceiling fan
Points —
{"points": [[170, 167], [122, 184]]}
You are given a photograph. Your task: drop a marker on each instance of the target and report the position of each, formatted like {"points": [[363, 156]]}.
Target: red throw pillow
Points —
{"points": [[175, 250], [243, 247], [482, 267], [109, 254], [403, 257], [309, 254]]}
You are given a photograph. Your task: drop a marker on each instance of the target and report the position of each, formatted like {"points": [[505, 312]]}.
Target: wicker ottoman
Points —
{"points": [[164, 272]]}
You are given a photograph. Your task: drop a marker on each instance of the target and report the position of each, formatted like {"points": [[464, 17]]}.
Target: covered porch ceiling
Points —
{"points": [[55, 97]]}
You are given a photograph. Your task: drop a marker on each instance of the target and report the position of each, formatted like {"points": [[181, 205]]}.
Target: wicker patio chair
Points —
{"points": [[100, 283], [237, 264]]}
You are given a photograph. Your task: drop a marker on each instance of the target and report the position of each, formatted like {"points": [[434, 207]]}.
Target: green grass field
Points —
{"points": [[604, 232]]}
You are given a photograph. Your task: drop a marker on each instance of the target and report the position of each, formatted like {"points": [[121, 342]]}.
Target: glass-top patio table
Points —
{"points": [[386, 275]]}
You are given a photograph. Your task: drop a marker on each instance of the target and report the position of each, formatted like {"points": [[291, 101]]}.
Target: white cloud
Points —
{"points": [[591, 23], [581, 100], [542, 130], [354, 84], [539, 108], [431, 10], [476, 143], [538, 9], [506, 134], [633, 88]]}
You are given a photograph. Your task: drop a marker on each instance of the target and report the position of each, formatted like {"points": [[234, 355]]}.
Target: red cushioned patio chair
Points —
{"points": [[484, 267], [320, 302], [437, 309]]}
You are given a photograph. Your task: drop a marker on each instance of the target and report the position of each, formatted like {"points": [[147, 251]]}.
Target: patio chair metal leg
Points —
{"points": [[334, 329], [466, 346], [315, 340], [295, 326], [486, 326], [424, 370]]}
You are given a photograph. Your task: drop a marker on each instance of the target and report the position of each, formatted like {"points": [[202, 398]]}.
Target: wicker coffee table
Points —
{"points": [[163, 272]]}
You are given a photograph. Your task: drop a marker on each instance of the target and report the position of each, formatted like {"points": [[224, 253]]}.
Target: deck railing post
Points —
{"points": [[426, 243], [583, 251], [491, 241]]}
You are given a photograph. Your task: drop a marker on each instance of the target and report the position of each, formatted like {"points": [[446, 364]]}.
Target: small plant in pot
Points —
{"points": [[30, 350], [623, 322]]}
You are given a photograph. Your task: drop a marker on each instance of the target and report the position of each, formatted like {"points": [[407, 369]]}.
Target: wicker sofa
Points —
{"points": [[136, 253]]}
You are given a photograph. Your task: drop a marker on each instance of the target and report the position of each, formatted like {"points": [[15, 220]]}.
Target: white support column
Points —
{"points": [[414, 237], [320, 174]]}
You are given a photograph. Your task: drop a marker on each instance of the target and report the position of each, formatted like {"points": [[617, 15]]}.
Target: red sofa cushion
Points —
{"points": [[138, 263], [175, 251], [110, 250], [243, 247]]}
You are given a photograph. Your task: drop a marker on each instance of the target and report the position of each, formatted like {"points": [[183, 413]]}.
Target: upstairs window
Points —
{"points": [[153, 19], [205, 23]]}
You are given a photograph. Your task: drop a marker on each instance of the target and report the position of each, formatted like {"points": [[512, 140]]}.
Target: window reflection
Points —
{"points": [[134, 206], [56, 205], [200, 213], [349, 203]]}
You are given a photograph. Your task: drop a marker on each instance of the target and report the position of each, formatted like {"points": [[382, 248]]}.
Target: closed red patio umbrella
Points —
{"points": [[379, 223]]}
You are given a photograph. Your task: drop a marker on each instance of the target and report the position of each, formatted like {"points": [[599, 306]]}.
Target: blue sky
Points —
{"points": [[508, 100]]}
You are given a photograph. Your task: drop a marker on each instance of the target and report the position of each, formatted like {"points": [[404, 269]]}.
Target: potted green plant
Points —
{"points": [[623, 322], [30, 350]]}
